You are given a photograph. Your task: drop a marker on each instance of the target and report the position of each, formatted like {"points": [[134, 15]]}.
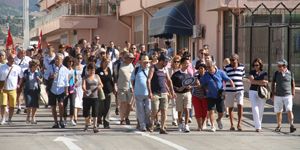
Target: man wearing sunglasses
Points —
{"points": [[283, 91]]}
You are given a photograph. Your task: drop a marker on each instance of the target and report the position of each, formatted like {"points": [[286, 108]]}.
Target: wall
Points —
{"points": [[131, 6], [108, 25]]}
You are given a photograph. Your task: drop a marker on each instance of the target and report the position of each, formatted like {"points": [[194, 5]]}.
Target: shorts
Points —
{"points": [[237, 96], [279, 101], [124, 96], [89, 103], [159, 102], [213, 103], [183, 100], [200, 107], [53, 99], [8, 97], [32, 98]]}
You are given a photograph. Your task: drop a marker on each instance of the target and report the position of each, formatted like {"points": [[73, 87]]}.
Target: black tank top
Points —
{"points": [[158, 82]]}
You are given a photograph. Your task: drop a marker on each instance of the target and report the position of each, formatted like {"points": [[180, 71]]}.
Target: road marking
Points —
{"points": [[171, 144], [68, 142]]}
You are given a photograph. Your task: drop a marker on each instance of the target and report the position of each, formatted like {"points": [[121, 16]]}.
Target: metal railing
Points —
{"points": [[74, 10]]}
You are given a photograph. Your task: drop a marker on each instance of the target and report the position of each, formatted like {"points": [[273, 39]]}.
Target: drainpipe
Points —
{"points": [[124, 23], [144, 9]]}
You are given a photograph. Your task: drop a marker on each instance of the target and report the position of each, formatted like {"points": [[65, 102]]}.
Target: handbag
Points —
{"points": [[264, 92], [101, 94]]}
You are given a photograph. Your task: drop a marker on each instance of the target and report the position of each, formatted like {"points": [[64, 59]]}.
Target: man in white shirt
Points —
{"points": [[59, 88], [23, 61], [11, 78]]}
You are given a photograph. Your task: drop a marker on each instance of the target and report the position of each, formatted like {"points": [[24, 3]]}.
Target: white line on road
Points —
{"points": [[68, 142], [171, 144]]}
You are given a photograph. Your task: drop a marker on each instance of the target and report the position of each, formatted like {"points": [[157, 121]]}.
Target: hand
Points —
{"points": [[265, 83], [150, 96], [174, 95]]}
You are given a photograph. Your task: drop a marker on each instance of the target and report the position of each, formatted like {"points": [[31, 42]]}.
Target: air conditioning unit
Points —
{"points": [[199, 31]]}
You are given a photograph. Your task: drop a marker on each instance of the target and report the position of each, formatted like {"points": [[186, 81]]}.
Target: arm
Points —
{"points": [[169, 82], [151, 71], [257, 82], [83, 85]]}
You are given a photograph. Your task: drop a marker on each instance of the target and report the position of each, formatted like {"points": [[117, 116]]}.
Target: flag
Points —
{"points": [[40, 40], [9, 40]]}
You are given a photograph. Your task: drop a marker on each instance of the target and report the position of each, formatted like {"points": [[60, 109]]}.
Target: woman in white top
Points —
{"points": [[175, 66], [78, 67]]}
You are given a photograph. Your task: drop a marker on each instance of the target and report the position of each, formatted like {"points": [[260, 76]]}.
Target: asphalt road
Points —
{"points": [[21, 136]]}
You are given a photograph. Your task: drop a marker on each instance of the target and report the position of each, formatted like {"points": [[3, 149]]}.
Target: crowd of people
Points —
{"points": [[88, 77]]}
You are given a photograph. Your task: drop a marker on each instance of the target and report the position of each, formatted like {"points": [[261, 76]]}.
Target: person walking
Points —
{"points": [[91, 84], [158, 84], [125, 88], [175, 66], [258, 77], [78, 68], [199, 96], [184, 96], [283, 89], [70, 98], [59, 75], [10, 80], [139, 82], [32, 79], [236, 72], [213, 82], [105, 75]]}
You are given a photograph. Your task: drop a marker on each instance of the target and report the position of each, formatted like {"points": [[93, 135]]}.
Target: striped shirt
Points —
{"points": [[236, 75]]}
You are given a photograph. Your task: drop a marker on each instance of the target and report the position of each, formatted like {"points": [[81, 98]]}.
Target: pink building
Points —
{"points": [[66, 22]]}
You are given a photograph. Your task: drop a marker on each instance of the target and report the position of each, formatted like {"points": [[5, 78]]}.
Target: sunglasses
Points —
{"points": [[176, 61], [232, 59], [256, 65], [280, 66]]}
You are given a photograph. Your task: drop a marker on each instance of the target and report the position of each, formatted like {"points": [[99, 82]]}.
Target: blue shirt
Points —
{"points": [[140, 78], [214, 82]]}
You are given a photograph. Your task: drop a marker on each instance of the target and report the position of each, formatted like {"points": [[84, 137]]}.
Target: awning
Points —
{"points": [[177, 19]]}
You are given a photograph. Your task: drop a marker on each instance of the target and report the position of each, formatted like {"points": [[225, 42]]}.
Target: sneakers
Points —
{"points": [[174, 123], [117, 111], [292, 129], [62, 124], [220, 125], [190, 120], [127, 121], [213, 129], [3, 121], [180, 127], [73, 123], [207, 123], [186, 128], [162, 131], [55, 126], [18, 111]]}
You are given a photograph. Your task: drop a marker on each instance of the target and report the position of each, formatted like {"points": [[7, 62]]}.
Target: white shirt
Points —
{"points": [[61, 81], [23, 62], [12, 79]]}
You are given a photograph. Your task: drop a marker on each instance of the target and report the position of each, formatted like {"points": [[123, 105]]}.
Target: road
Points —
{"points": [[42, 136]]}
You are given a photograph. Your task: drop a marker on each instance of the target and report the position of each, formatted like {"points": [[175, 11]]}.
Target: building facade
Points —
{"points": [[66, 21]]}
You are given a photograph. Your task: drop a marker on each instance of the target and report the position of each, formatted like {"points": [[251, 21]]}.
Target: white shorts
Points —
{"points": [[279, 101], [231, 97]]}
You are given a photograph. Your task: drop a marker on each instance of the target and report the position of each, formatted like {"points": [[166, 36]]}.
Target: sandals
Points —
{"points": [[95, 130], [239, 128], [277, 129]]}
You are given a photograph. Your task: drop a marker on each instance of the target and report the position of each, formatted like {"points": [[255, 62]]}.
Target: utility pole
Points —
{"points": [[26, 40]]}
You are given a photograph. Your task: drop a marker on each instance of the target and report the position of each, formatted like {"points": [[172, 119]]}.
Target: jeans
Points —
{"points": [[143, 110], [104, 108]]}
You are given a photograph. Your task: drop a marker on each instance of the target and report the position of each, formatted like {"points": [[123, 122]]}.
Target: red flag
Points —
{"points": [[9, 40], [40, 40]]}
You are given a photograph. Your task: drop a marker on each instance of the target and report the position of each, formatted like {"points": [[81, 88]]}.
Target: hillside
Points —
{"points": [[18, 4], [7, 10]]}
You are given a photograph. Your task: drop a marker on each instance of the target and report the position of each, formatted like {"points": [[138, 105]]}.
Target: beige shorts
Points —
{"points": [[183, 100], [231, 97], [159, 102], [124, 96]]}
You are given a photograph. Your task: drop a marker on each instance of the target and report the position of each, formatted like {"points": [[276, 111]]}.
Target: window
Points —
{"points": [[227, 35], [138, 29]]}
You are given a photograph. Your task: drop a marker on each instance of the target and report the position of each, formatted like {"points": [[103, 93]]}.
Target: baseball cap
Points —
{"points": [[282, 62], [30, 48]]}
